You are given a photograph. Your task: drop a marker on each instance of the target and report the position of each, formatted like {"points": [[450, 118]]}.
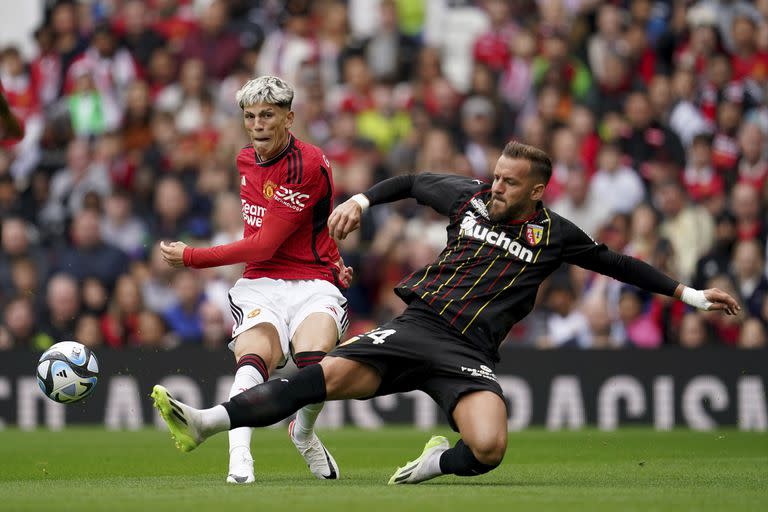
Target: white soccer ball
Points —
{"points": [[67, 372]]}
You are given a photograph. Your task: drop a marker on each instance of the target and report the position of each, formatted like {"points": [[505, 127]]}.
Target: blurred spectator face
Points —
{"points": [[669, 199], [358, 178], [630, 306], [477, 118], [701, 153], [582, 121], [609, 158], [524, 44], [357, 75], [555, 48], [162, 67], [660, 93], [577, 186], [192, 77], [548, 103], [437, 151], [12, 62], [560, 300], [170, 200], [127, 295], [683, 84], [743, 33], [388, 15], [187, 288], [134, 17], [703, 39], [215, 17], [215, 330], [86, 232], [693, 331], [24, 275], [118, 208], [615, 71], [719, 70], [565, 147], [635, 40], [227, 214], [483, 81], [753, 334], [644, 222], [498, 12], [19, 318], [751, 142], [728, 116], [63, 298], [63, 19], [745, 202], [638, 110], [747, 260], [14, 239], [151, 330], [95, 295], [137, 97], [534, 132], [429, 64], [78, 157], [104, 42], [609, 21], [88, 331]]}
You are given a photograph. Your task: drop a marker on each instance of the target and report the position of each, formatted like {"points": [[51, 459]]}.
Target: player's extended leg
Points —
{"points": [[481, 417], [257, 351], [335, 378], [315, 336]]}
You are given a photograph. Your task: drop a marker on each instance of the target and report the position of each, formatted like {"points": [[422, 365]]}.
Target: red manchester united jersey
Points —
{"points": [[295, 185]]}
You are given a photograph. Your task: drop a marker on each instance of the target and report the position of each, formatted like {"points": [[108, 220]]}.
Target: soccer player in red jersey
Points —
{"points": [[11, 129], [288, 300]]}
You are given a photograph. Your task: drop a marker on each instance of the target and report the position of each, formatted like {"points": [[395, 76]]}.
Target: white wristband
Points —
{"points": [[363, 201], [695, 298]]}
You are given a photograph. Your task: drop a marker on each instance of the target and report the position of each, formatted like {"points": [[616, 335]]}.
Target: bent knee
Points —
{"points": [[490, 452]]}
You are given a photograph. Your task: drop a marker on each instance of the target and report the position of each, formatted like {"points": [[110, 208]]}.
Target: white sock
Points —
{"points": [[213, 420], [246, 377], [431, 466], [305, 421]]}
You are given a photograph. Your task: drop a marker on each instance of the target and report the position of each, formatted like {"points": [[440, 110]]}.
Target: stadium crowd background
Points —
{"points": [[654, 113]]}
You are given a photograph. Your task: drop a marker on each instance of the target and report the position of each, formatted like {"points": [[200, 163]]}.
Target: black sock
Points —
{"points": [[268, 403], [304, 359], [460, 461]]}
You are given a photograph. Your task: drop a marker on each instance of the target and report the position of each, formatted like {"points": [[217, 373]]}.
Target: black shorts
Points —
{"points": [[418, 351]]}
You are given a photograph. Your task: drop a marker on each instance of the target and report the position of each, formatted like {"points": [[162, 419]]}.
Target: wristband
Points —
{"points": [[695, 298], [363, 201]]}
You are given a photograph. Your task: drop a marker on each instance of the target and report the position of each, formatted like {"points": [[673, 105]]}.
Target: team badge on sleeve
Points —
{"points": [[533, 233]]}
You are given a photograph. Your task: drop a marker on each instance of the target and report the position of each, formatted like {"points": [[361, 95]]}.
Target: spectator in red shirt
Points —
{"points": [[11, 129], [747, 61], [752, 167], [492, 48], [700, 178], [216, 46]]}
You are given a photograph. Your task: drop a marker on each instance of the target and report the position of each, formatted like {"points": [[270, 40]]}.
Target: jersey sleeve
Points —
{"points": [[445, 193], [579, 249], [307, 182]]}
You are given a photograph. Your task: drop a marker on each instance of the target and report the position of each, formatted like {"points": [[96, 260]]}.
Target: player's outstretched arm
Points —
{"points": [[258, 247]]}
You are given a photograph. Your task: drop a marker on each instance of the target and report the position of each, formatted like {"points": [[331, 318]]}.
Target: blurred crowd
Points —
{"points": [[654, 113]]}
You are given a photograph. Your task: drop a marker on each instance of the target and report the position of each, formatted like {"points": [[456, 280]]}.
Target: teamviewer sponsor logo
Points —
{"points": [[290, 198], [470, 227]]}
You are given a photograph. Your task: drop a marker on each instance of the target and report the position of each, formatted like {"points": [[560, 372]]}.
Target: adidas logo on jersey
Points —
{"points": [[470, 227]]}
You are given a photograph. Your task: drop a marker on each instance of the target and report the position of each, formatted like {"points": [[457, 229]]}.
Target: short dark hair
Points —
{"points": [[541, 165]]}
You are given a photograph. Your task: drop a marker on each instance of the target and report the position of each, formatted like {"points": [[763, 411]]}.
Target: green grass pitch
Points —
{"points": [[90, 469]]}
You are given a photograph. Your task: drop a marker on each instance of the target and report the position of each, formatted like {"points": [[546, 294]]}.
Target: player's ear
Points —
{"points": [[289, 119], [538, 191]]}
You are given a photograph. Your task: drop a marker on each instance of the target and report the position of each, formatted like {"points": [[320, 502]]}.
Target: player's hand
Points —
{"points": [[345, 273], [173, 253], [344, 219], [721, 301]]}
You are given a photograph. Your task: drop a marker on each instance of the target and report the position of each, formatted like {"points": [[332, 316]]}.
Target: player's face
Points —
{"points": [[514, 192], [267, 126]]}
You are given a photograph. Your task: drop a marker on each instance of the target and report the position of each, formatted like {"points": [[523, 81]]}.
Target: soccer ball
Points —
{"points": [[67, 372]]}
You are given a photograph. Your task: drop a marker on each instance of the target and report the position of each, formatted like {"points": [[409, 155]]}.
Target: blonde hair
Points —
{"points": [[265, 89]]}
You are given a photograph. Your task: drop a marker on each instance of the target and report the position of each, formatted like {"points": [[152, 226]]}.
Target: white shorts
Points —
{"points": [[284, 304]]}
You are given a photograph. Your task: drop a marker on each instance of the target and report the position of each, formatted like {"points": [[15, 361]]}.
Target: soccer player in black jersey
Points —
{"points": [[502, 243]]}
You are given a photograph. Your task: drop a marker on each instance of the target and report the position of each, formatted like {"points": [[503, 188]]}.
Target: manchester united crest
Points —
{"points": [[269, 189], [533, 233]]}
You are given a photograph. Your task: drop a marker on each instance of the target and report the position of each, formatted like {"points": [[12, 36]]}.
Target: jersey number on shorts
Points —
{"points": [[379, 336]]}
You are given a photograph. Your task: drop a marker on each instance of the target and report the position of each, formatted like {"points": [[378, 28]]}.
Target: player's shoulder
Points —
{"points": [[313, 156], [246, 153]]}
